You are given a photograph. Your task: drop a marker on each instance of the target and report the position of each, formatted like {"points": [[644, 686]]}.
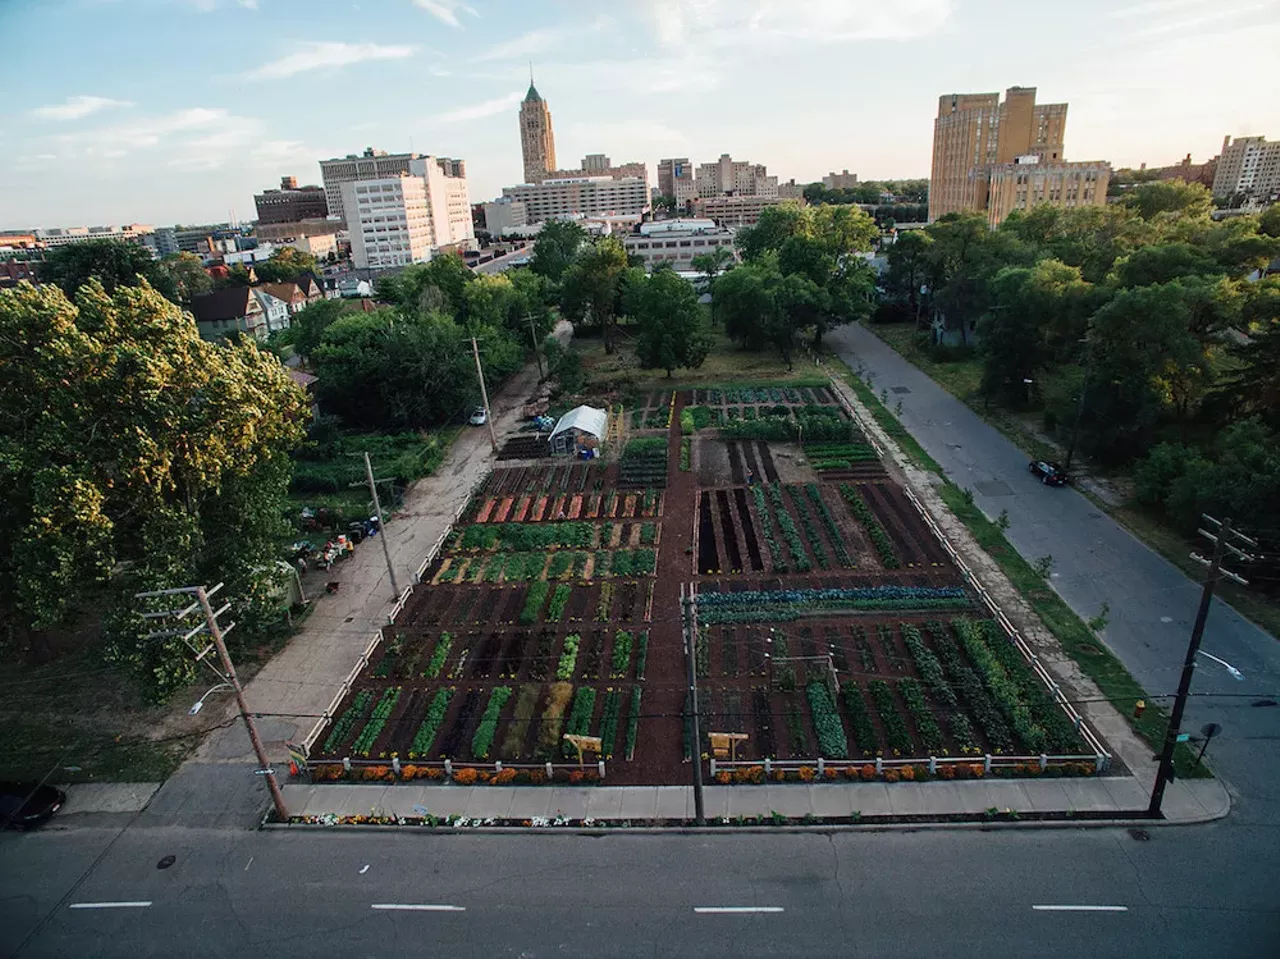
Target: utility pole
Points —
{"points": [[689, 604], [218, 635], [484, 393], [382, 526], [533, 335], [1084, 388], [1215, 572]]}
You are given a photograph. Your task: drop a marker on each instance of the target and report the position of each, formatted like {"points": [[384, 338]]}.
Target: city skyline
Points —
{"points": [[206, 102]]}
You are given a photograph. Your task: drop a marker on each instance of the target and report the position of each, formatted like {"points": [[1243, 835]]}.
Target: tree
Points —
{"points": [[135, 455], [285, 265], [113, 263], [438, 285], [592, 287], [1149, 200], [776, 223], [673, 332], [310, 323], [744, 304], [181, 276], [555, 248], [908, 267], [1162, 263], [1269, 221], [711, 264]]}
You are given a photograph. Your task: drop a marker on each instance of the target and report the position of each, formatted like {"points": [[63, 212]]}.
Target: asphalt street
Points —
{"points": [[1096, 561], [922, 893]]}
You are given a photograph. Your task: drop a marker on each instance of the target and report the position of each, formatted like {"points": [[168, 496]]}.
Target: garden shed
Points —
{"points": [[582, 428]]}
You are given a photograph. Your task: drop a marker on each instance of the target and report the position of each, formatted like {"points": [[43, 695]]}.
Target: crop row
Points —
{"points": [[775, 550], [832, 742], [425, 737], [895, 728], [834, 533], [346, 722], [875, 532], [864, 732], [789, 531], [483, 738], [971, 688], [810, 531]]}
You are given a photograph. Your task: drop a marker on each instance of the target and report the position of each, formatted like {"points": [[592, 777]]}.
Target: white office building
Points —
{"points": [[389, 220]]}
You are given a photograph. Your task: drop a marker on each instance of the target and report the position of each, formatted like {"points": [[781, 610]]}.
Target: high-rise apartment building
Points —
{"points": [[446, 180], [1250, 167], [370, 165], [537, 138], [291, 203], [976, 131]]}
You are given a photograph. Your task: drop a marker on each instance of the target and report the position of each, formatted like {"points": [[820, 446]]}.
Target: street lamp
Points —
{"points": [[1235, 673], [199, 703]]}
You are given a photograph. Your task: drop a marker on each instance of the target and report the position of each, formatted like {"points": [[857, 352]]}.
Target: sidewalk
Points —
{"points": [[1118, 798]]}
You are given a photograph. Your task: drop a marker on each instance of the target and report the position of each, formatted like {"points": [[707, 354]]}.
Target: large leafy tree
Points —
{"points": [[285, 265], [112, 263], [310, 322], [592, 287], [135, 455], [1150, 200], [181, 276], [440, 284], [555, 248], [673, 330], [908, 260]]}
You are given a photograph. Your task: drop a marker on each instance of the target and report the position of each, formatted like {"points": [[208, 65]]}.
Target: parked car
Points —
{"points": [[27, 805], [478, 416], [1051, 474]]}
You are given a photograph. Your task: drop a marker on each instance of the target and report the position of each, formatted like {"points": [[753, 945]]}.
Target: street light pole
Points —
{"points": [[1084, 388], [1164, 773]]}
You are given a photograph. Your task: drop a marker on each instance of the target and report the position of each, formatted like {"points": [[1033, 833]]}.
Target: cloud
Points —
{"points": [[535, 41], [329, 54], [446, 11], [77, 107], [767, 23], [477, 111]]}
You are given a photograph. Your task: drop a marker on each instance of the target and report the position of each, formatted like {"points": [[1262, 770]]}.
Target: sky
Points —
{"points": [[178, 111]]}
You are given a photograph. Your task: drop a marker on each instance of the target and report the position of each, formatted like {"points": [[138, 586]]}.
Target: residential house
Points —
{"points": [[276, 308], [291, 293], [311, 288], [232, 310]]}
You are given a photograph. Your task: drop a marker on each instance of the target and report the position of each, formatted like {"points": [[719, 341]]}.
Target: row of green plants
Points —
{"points": [[879, 538], [483, 738], [579, 724], [1004, 691], [439, 656], [864, 731], [975, 694], [633, 722], [789, 531], [776, 556], [834, 532], [832, 742], [644, 462], [345, 723], [559, 600], [425, 737], [922, 715], [810, 530], [623, 642], [527, 536], [377, 720], [568, 657], [686, 455], [533, 601], [891, 721], [609, 721], [789, 613]]}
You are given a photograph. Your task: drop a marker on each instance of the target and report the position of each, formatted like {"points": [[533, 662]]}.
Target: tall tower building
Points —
{"points": [[537, 139], [975, 131]]}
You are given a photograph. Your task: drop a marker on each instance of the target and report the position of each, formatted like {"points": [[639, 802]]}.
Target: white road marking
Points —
{"points": [[248, 864], [365, 869], [1081, 908], [416, 907], [735, 909], [140, 904]]}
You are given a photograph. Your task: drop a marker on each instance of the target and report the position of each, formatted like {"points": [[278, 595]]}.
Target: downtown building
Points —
{"points": [[978, 137], [395, 220], [580, 196]]}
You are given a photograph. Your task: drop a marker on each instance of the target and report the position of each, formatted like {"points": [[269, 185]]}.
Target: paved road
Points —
{"points": [[1097, 561], [961, 893], [504, 263]]}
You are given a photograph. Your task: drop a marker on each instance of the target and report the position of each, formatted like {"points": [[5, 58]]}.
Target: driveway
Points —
{"points": [[1096, 561]]}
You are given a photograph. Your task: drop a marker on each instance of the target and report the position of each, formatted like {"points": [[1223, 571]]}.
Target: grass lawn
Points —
{"points": [[1094, 659]]}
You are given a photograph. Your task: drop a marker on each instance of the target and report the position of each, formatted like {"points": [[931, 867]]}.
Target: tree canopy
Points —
{"points": [[285, 265], [136, 456], [673, 329]]}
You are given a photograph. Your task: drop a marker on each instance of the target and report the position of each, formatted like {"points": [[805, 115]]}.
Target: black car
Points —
{"points": [[27, 805], [1051, 474]]}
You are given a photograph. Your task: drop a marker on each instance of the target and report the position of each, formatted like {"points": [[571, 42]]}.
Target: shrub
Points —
{"points": [[686, 421], [465, 776]]}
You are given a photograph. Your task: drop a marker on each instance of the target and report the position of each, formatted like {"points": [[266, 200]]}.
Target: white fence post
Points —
{"points": [[822, 766], [1044, 762], [395, 766], [497, 766], [768, 766], [346, 764], [448, 768], [550, 772], [933, 765], [987, 763], [879, 766], [600, 766], [713, 767]]}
